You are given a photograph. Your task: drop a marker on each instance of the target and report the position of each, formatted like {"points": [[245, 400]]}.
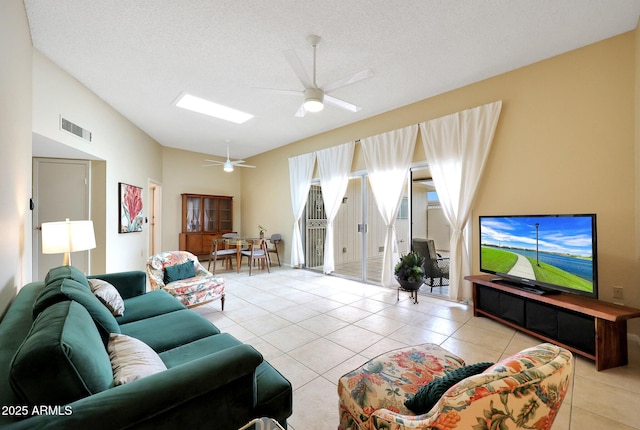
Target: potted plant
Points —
{"points": [[409, 271], [261, 230]]}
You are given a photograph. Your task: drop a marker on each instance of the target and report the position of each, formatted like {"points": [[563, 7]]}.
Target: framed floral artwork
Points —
{"points": [[130, 208]]}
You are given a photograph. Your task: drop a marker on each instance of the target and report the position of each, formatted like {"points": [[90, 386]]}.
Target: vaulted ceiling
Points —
{"points": [[141, 55]]}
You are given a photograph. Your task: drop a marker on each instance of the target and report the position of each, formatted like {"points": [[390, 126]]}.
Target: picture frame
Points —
{"points": [[130, 207]]}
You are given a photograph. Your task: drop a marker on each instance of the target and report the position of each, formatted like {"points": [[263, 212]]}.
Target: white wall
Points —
{"points": [[130, 155], [15, 147]]}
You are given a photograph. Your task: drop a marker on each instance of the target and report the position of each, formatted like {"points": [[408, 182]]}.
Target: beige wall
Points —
{"points": [[15, 147], [634, 326], [183, 173], [564, 144]]}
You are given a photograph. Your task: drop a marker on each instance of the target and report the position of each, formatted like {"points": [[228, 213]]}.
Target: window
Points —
{"points": [[432, 198]]}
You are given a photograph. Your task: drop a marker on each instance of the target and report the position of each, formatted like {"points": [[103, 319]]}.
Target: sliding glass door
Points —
{"points": [[427, 217], [359, 232]]}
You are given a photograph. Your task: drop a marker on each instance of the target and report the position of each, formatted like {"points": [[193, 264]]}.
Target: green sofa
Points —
{"points": [[55, 371]]}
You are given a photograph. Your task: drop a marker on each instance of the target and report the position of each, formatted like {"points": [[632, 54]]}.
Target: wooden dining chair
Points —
{"points": [[275, 239], [257, 251], [219, 251]]}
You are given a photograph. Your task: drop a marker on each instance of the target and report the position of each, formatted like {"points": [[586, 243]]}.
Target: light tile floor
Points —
{"points": [[314, 328]]}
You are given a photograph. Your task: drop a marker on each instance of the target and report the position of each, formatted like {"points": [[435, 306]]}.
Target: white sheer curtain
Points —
{"points": [[456, 147], [300, 171], [334, 165], [388, 159]]}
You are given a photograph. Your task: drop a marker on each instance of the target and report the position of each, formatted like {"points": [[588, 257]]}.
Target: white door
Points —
{"points": [[60, 191]]}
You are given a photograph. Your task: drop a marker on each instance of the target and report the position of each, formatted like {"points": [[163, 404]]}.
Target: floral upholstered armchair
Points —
{"points": [[522, 391], [183, 276]]}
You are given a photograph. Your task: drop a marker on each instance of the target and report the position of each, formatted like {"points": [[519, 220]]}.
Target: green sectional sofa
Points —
{"points": [[56, 371]]}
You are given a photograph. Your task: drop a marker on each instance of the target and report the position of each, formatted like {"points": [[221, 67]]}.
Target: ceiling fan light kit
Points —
{"points": [[314, 96], [313, 100], [227, 165]]}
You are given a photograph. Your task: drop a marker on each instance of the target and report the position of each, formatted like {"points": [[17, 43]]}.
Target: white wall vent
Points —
{"points": [[74, 129]]}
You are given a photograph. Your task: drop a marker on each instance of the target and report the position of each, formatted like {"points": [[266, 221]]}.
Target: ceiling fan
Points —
{"points": [[314, 96], [228, 165]]}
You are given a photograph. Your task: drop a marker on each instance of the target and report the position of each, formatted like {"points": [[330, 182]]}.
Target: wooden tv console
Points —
{"points": [[592, 328]]}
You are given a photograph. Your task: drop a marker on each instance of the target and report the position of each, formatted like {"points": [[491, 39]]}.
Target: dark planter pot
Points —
{"points": [[409, 286]]}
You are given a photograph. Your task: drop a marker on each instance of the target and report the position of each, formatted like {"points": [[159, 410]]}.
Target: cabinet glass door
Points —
{"points": [[225, 214], [193, 214], [210, 214]]}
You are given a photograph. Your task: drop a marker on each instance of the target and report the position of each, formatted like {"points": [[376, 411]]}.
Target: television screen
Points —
{"points": [[556, 252]]}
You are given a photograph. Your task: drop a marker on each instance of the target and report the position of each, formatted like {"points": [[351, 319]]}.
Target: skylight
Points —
{"points": [[196, 104]]}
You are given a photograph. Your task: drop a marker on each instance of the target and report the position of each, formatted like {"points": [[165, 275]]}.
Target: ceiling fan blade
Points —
{"points": [[214, 161], [341, 103], [245, 165], [237, 162], [301, 111], [279, 91], [298, 68], [348, 80]]}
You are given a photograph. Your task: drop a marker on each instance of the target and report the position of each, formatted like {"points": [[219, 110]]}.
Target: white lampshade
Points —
{"points": [[67, 237]]}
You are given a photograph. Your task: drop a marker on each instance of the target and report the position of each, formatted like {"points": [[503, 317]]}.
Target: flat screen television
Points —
{"points": [[541, 253]]}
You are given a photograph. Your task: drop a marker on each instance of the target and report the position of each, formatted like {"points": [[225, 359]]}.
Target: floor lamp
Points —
{"points": [[67, 237]]}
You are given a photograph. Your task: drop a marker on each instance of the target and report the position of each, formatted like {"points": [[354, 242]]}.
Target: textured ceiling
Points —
{"points": [[140, 55]]}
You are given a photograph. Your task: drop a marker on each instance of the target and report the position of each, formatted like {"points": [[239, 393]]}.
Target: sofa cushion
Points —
{"points": [[49, 295], [429, 394], [62, 359], [64, 272], [132, 359], [198, 349], [149, 305], [178, 272], [108, 295], [167, 331], [68, 289]]}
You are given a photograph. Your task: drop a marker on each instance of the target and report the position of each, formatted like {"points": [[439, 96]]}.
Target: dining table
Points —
{"points": [[239, 242]]}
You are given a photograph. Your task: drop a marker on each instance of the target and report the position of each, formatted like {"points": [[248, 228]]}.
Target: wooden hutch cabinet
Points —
{"points": [[204, 217]]}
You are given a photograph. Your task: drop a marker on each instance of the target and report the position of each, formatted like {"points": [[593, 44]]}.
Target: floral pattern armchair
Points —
{"points": [[522, 391], [201, 289]]}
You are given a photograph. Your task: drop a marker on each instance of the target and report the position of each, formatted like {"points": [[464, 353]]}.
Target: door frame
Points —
{"points": [[35, 214]]}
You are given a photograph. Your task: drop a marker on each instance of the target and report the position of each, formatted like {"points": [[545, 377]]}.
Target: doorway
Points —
{"points": [[60, 191], [359, 232], [428, 220]]}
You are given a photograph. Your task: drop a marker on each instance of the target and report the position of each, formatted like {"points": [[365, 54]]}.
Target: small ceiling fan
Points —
{"points": [[314, 96], [227, 165]]}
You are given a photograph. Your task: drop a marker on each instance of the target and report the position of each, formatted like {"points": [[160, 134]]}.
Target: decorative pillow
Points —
{"points": [[108, 295], [429, 394], [179, 271], [62, 359], [132, 359]]}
